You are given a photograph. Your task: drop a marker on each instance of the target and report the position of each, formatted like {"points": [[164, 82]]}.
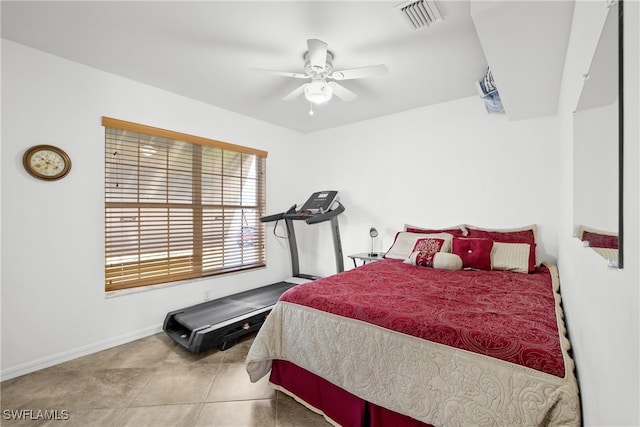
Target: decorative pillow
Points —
{"points": [[447, 261], [440, 260], [510, 257], [424, 250], [454, 230], [598, 238], [404, 243], [525, 234], [474, 252], [428, 244], [421, 258]]}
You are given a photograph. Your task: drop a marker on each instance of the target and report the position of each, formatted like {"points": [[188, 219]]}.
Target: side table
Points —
{"points": [[366, 257]]}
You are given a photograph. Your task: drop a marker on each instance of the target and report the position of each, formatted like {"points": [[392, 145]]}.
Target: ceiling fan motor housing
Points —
{"points": [[318, 71]]}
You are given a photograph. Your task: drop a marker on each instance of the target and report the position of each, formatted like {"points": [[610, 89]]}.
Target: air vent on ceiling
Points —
{"points": [[418, 14]]}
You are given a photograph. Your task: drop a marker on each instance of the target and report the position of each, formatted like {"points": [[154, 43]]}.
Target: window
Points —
{"points": [[179, 206]]}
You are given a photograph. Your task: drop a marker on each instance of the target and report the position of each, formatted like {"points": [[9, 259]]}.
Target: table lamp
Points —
{"points": [[373, 233]]}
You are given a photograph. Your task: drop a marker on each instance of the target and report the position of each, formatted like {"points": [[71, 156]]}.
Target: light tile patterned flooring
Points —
{"points": [[152, 382]]}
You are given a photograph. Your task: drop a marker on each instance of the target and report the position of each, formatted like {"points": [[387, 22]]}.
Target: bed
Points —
{"points": [[417, 339]]}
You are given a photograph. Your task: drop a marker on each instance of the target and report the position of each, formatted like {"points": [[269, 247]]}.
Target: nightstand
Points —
{"points": [[365, 256]]}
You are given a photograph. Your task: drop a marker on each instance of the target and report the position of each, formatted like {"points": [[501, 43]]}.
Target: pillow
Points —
{"points": [[474, 252], [525, 234], [510, 257], [428, 245], [424, 250], [440, 260], [598, 238], [421, 258], [447, 261], [454, 230], [404, 243]]}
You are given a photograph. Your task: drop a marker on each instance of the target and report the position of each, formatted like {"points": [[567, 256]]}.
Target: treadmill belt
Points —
{"points": [[261, 297], [217, 311]]}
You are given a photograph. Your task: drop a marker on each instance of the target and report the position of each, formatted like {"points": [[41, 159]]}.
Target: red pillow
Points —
{"points": [[458, 231], [518, 236], [475, 253], [425, 250], [597, 240], [428, 245]]}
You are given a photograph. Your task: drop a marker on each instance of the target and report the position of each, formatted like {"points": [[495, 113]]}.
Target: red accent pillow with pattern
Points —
{"points": [[425, 250], [429, 244], [424, 258]]}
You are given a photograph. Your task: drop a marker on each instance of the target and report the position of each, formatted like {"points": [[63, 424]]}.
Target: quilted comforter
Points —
{"points": [[443, 347]]}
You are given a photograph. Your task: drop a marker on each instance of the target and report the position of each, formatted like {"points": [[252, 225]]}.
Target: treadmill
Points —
{"points": [[320, 207], [221, 322]]}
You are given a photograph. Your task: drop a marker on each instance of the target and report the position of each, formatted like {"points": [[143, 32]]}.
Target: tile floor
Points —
{"points": [[152, 382]]}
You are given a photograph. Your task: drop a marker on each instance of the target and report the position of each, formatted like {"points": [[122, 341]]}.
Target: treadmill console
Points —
{"points": [[318, 208], [319, 202]]}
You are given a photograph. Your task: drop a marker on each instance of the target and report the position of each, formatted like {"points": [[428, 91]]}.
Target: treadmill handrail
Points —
{"points": [[271, 218], [309, 219], [325, 216]]}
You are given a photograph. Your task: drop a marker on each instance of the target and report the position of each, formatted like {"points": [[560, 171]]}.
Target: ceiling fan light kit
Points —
{"points": [[318, 66], [318, 91]]}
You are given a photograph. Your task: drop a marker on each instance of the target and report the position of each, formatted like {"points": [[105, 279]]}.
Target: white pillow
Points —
{"points": [[441, 260], [405, 242], [510, 257], [446, 261]]}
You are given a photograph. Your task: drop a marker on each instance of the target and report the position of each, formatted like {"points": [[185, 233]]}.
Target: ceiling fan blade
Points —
{"points": [[342, 92], [361, 73], [295, 93], [280, 73], [317, 53]]}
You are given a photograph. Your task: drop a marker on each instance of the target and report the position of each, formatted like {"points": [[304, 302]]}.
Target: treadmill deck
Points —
{"points": [[220, 322]]}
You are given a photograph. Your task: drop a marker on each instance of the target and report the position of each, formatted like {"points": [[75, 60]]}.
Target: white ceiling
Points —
{"points": [[204, 49]]}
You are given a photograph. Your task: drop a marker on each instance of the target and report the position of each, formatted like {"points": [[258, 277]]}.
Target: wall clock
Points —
{"points": [[46, 162]]}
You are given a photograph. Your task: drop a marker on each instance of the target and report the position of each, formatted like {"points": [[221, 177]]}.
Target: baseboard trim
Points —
{"points": [[46, 362]]}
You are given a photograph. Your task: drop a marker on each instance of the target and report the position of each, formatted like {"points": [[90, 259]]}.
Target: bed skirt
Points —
{"points": [[340, 407]]}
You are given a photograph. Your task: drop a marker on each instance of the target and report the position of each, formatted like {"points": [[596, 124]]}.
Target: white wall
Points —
{"points": [[438, 166], [602, 305], [53, 300]]}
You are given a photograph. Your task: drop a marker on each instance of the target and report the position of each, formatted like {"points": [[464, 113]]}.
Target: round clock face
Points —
{"points": [[46, 162]]}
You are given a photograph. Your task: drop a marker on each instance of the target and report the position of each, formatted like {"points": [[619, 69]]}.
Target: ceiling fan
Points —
{"points": [[318, 68]]}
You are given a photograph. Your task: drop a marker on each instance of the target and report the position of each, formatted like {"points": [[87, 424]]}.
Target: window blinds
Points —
{"points": [[179, 207]]}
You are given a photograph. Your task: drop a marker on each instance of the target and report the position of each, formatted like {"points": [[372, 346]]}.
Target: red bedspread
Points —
{"points": [[505, 315]]}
